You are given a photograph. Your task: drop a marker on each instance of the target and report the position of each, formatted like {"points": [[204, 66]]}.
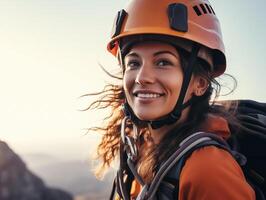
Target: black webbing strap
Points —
{"points": [[185, 147], [123, 177]]}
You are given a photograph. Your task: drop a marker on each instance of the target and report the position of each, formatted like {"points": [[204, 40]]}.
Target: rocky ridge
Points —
{"points": [[17, 182]]}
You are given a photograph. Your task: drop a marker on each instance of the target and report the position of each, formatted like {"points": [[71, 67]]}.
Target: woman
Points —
{"points": [[169, 52]]}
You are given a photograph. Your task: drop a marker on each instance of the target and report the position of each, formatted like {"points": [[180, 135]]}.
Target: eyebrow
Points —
{"points": [[133, 54], [162, 52]]}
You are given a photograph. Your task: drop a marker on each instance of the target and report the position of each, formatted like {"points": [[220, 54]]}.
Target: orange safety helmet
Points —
{"points": [[187, 21]]}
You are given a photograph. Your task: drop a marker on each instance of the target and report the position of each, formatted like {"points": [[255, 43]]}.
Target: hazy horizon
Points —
{"points": [[50, 55]]}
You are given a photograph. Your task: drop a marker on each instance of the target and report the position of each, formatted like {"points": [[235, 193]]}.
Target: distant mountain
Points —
{"points": [[74, 176], [17, 182]]}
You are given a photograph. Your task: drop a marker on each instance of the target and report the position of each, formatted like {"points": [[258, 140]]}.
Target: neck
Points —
{"points": [[158, 134]]}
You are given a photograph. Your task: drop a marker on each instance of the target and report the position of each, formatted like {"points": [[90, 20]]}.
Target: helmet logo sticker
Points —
{"points": [[178, 17]]}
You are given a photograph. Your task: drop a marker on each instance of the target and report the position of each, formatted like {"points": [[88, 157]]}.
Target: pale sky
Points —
{"points": [[50, 50]]}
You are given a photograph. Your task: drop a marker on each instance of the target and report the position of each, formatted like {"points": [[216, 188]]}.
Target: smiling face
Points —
{"points": [[153, 79]]}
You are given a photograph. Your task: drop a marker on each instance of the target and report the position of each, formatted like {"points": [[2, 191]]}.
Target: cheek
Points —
{"points": [[128, 82], [173, 82]]}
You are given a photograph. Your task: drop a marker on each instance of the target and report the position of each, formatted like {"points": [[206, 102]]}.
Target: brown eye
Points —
{"points": [[133, 64], [162, 63]]}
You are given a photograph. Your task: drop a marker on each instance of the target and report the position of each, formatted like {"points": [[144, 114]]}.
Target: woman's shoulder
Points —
{"points": [[212, 172], [211, 159]]}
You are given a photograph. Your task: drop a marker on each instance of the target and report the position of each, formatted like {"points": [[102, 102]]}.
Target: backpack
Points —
{"points": [[251, 142], [248, 147]]}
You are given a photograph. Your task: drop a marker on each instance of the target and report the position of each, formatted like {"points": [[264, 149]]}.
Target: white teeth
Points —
{"points": [[142, 95]]}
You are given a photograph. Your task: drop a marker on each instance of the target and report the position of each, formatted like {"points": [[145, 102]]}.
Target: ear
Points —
{"points": [[200, 85]]}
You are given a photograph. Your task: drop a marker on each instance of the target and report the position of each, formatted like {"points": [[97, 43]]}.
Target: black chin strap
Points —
{"points": [[173, 116]]}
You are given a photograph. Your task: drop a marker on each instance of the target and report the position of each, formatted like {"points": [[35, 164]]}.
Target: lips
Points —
{"points": [[143, 95], [147, 94]]}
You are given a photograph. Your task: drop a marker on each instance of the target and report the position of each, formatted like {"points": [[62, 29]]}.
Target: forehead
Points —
{"points": [[151, 47]]}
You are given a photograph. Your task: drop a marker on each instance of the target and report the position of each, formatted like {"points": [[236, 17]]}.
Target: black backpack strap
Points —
{"points": [[174, 173], [186, 147], [113, 191]]}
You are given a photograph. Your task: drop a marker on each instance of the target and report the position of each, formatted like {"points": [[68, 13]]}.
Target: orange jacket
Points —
{"points": [[211, 173]]}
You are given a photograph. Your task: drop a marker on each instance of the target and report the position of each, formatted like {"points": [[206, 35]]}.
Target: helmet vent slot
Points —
{"points": [[197, 10], [212, 9], [203, 8], [209, 9]]}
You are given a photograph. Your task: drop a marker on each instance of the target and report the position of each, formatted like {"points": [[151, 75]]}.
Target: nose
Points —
{"points": [[145, 75]]}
